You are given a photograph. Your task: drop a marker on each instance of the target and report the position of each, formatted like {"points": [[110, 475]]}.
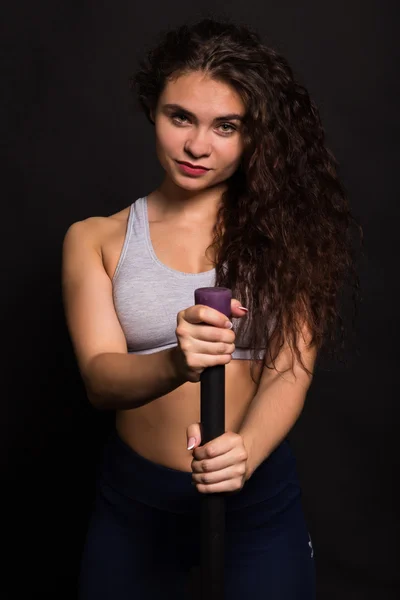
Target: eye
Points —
{"points": [[181, 119], [178, 118], [231, 128]]}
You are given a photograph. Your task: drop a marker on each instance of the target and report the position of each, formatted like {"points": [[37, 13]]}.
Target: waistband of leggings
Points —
{"points": [[164, 488]]}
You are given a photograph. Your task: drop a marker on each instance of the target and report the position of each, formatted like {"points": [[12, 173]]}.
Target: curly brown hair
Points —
{"points": [[283, 239]]}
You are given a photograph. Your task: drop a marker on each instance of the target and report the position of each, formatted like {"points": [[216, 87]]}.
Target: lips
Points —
{"points": [[182, 162]]}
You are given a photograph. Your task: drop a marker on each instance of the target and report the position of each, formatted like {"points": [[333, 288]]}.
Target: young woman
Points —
{"points": [[250, 201]]}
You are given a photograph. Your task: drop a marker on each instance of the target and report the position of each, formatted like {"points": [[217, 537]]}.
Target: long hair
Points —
{"points": [[283, 236]]}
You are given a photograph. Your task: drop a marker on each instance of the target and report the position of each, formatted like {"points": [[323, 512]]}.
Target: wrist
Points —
{"points": [[177, 365], [249, 464]]}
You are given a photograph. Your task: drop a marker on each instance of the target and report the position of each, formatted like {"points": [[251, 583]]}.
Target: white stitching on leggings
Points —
{"points": [[310, 544]]}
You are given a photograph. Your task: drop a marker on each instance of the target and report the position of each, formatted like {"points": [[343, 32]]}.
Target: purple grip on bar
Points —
{"points": [[218, 298]]}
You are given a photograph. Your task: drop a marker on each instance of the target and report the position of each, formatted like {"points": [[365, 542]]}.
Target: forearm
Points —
{"points": [[271, 415], [124, 381]]}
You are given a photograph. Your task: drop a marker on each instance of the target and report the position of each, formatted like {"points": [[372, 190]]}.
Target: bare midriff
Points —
{"points": [[157, 430]]}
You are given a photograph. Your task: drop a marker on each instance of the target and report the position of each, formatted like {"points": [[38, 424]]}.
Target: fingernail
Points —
{"points": [[243, 308], [229, 325], [191, 443]]}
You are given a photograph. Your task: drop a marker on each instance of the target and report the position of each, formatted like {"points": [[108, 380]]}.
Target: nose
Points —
{"points": [[198, 144]]}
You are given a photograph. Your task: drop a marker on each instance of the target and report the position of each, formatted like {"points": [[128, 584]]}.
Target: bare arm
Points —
{"points": [[113, 378], [278, 403]]}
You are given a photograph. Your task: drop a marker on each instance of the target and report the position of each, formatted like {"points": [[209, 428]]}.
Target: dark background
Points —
{"points": [[74, 149]]}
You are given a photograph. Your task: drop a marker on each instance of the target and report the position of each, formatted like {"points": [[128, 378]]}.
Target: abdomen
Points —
{"points": [[157, 431]]}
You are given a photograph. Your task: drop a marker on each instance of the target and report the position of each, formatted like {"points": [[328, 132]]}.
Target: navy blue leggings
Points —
{"points": [[143, 537]]}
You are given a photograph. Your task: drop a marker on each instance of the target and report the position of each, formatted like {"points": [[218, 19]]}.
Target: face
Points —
{"points": [[197, 121]]}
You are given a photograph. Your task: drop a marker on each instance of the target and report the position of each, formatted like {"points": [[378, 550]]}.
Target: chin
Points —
{"points": [[188, 183], [192, 188]]}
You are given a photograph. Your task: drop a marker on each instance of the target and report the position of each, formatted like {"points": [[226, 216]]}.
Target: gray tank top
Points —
{"points": [[148, 295]]}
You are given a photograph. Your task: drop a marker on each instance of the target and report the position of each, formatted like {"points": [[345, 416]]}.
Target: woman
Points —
{"points": [[250, 201]]}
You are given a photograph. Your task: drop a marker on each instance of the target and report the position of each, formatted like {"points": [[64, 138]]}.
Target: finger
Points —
{"points": [[219, 446], [200, 313], [208, 333], [209, 465], [203, 361], [237, 309], [232, 472], [232, 486], [198, 347], [227, 486], [193, 436]]}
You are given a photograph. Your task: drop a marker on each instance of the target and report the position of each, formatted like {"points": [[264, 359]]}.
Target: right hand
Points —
{"points": [[205, 339]]}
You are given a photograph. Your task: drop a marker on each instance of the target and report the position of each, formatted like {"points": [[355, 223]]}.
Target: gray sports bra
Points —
{"points": [[148, 295]]}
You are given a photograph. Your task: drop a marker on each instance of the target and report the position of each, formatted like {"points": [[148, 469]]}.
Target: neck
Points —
{"points": [[201, 206]]}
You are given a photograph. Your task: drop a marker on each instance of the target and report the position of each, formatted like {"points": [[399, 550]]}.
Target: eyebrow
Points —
{"points": [[231, 117]]}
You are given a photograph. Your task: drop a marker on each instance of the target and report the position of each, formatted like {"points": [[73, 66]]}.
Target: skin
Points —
{"points": [[201, 141], [218, 146], [181, 214]]}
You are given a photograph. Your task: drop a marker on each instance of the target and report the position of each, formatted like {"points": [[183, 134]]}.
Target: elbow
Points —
{"points": [[104, 397], [98, 400], [303, 376], [96, 392]]}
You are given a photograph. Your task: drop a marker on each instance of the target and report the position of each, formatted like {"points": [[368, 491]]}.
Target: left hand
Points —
{"points": [[221, 464]]}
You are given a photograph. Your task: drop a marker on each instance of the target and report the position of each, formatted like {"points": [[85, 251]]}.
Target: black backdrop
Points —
{"points": [[73, 149]]}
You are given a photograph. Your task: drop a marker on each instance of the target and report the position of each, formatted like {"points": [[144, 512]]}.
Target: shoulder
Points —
{"points": [[96, 231]]}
